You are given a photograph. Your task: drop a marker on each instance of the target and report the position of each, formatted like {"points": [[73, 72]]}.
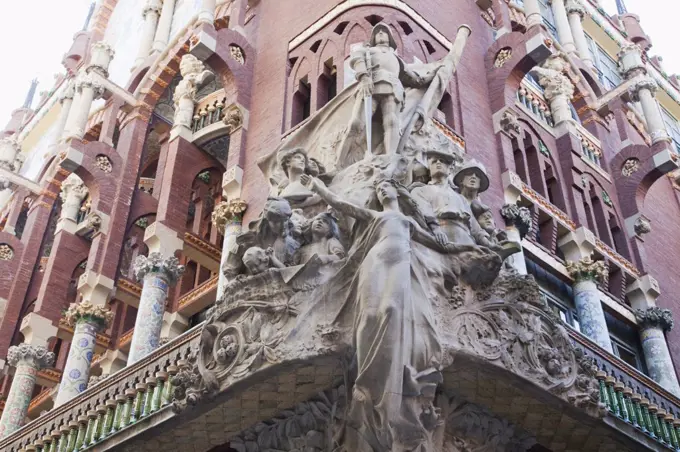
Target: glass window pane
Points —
{"points": [[626, 355]]}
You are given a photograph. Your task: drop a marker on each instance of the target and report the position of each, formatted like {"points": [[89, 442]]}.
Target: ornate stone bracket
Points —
{"points": [[88, 312], [587, 269], [36, 355], [655, 317], [155, 263]]}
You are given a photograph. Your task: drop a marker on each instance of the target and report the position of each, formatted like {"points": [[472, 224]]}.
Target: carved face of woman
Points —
{"points": [[382, 38], [313, 168], [320, 226], [297, 164], [471, 181], [386, 192]]}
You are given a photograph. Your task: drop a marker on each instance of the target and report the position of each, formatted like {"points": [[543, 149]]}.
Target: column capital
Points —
{"points": [[69, 90], [227, 212], [552, 77], [95, 288], [577, 244], [518, 217], [155, 263], [9, 150], [73, 187], [630, 60], [37, 330], [162, 239], [586, 269], [152, 7], [645, 82], [101, 55], [98, 315], [575, 7], [35, 355], [655, 317], [85, 80]]}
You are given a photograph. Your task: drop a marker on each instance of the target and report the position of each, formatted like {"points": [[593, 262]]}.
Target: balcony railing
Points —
{"points": [[112, 406], [590, 147], [632, 397], [534, 103], [209, 110]]}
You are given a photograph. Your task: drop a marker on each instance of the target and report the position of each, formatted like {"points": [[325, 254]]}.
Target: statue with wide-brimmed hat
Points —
{"points": [[471, 179]]}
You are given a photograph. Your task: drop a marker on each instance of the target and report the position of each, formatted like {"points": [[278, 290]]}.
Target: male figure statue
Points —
{"points": [[383, 75]]}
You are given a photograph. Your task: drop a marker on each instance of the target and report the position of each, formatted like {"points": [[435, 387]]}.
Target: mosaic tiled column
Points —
{"points": [[157, 274], [28, 360], [228, 219], [653, 323], [87, 320], [517, 226], [586, 273]]}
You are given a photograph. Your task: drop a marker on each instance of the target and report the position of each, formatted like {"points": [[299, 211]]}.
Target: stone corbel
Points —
{"points": [[643, 292], [37, 330], [162, 239], [577, 244], [506, 122], [95, 289], [94, 223], [232, 181]]}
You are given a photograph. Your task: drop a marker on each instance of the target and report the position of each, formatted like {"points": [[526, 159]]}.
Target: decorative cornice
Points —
{"points": [[198, 292], [88, 312], [586, 269], [155, 263], [36, 355], [227, 212], [519, 217], [655, 317]]}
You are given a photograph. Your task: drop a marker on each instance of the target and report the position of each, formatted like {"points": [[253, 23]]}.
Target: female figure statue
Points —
{"points": [[384, 294]]}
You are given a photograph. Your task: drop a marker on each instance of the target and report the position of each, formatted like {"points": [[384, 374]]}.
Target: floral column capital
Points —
{"points": [[36, 355], [155, 263], [228, 211], [655, 317], [519, 217], [586, 269], [88, 312], [575, 7]]}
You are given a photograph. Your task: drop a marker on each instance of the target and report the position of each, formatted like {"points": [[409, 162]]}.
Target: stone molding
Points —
{"points": [[155, 263], [88, 312], [36, 355], [228, 211], [655, 317], [586, 269], [519, 217]]}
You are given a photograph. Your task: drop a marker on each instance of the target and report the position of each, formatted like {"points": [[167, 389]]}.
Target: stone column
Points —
{"points": [[228, 219], [558, 89], [87, 89], [517, 226], [164, 24], [644, 91], [28, 360], [151, 12], [87, 320], [576, 14], [66, 100], [532, 11], [157, 274], [653, 323], [73, 191], [207, 12], [562, 25], [586, 273]]}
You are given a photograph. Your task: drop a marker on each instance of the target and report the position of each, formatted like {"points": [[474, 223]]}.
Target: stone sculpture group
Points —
{"points": [[375, 246]]}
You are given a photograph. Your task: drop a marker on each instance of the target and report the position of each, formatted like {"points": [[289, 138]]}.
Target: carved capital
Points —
{"points": [[9, 150], [85, 80], [35, 355], [155, 263], [88, 312], [575, 7], [152, 7], [587, 269], [647, 83], [519, 217], [227, 212], [69, 91], [655, 317], [73, 189]]}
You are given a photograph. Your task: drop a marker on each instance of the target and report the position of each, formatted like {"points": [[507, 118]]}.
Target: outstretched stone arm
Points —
{"points": [[334, 200]]}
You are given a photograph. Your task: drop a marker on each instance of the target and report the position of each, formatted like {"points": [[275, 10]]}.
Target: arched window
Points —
{"points": [[302, 102]]}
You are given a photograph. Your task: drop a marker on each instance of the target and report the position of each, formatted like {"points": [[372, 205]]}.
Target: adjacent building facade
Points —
{"points": [[126, 187]]}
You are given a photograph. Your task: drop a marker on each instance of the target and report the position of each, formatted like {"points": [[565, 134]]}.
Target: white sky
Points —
{"points": [[37, 33]]}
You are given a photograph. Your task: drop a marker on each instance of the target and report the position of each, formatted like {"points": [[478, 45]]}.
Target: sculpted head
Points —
{"points": [[382, 36], [471, 178], [484, 216], [277, 212], [256, 260], [324, 225], [386, 190], [438, 166], [294, 162]]}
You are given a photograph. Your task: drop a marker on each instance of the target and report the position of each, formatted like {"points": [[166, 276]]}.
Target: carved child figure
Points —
{"points": [[258, 260], [486, 221], [323, 240]]}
